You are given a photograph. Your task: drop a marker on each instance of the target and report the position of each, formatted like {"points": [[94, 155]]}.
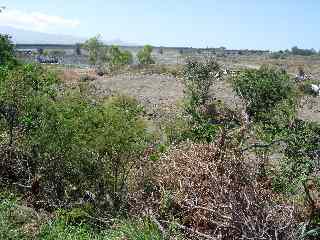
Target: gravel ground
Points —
{"points": [[161, 94], [310, 109]]}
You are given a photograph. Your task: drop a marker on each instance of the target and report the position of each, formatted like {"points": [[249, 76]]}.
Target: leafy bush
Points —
{"points": [[144, 55], [92, 145], [21, 92], [6, 51], [263, 89], [177, 130]]}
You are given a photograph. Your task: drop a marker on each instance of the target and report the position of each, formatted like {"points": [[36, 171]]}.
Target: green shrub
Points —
{"points": [[92, 144], [6, 51], [263, 89], [71, 140], [144, 55], [22, 92]]}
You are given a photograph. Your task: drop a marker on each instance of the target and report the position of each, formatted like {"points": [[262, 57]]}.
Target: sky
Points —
{"points": [[235, 24]]}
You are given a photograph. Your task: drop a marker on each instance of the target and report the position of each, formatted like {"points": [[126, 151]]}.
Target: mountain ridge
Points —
{"points": [[22, 36]]}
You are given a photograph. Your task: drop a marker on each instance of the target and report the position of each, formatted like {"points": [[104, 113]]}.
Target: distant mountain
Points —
{"points": [[30, 37]]}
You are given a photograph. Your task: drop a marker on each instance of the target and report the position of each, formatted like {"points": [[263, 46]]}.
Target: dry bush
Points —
{"points": [[213, 191]]}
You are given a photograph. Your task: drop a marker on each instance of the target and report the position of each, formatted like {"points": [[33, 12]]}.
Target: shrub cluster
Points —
{"points": [[64, 148], [73, 142], [106, 58]]}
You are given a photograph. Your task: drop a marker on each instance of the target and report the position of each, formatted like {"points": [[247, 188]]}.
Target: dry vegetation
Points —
{"points": [[158, 151]]}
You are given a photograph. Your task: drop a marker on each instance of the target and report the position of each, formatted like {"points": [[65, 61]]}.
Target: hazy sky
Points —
{"points": [[263, 24]]}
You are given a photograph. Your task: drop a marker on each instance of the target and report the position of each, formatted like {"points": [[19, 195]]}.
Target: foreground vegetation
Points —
{"points": [[78, 166]]}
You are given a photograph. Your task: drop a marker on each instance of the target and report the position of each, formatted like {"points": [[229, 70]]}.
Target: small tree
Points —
{"points": [[144, 55], [94, 46], [6, 50]]}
